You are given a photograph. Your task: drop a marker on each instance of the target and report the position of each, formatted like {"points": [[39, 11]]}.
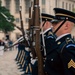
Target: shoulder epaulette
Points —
{"points": [[69, 40], [50, 37], [70, 45], [50, 33]]}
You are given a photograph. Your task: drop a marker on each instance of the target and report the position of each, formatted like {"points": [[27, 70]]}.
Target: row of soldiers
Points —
{"points": [[57, 46]]}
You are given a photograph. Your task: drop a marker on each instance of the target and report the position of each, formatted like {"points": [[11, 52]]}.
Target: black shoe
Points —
{"points": [[20, 65], [15, 59], [17, 63], [23, 74], [20, 68]]}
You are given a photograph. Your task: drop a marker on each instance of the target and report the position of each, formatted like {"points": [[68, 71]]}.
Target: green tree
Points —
{"points": [[5, 25]]}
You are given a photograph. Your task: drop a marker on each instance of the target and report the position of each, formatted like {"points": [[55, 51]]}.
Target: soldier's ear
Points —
{"points": [[66, 25]]}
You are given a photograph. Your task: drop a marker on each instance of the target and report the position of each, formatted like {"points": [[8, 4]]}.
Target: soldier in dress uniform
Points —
{"points": [[49, 37], [50, 43], [65, 41], [61, 59], [46, 27]]}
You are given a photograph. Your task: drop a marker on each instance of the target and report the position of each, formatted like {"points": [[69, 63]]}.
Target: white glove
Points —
{"points": [[33, 60]]}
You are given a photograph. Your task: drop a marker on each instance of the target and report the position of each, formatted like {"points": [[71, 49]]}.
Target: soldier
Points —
{"points": [[50, 43], [67, 44], [46, 27], [49, 37], [61, 60]]}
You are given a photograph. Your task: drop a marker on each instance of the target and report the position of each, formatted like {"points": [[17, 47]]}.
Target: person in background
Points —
{"points": [[2, 45], [10, 42]]}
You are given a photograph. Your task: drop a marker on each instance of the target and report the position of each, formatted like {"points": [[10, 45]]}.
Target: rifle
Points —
{"points": [[16, 26], [37, 42], [22, 28], [14, 44], [31, 40]]}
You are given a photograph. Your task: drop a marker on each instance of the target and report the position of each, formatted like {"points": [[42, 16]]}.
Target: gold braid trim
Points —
{"points": [[65, 15]]}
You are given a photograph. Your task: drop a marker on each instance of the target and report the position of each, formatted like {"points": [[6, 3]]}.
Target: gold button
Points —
{"points": [[59, 43]]}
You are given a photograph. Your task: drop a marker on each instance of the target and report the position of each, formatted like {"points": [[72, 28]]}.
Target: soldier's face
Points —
{"points": [[47, 25], [65, 28], [41, 24], [54, 26]]}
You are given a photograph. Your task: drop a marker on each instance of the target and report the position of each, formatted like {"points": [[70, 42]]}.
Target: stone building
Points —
{"points": [[46, 6]]}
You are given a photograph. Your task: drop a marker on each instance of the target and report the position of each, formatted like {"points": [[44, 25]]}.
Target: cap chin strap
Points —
{"points": [[44, 23], [59, 26], [43, 38]]}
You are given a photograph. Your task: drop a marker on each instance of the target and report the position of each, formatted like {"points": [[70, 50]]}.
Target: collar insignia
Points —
{"points": [[50, 33]]}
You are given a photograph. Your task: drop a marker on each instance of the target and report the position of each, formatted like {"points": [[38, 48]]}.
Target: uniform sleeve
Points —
{"points": [[68, 59]]}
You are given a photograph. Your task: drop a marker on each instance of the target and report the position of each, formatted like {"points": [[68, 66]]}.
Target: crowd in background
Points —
{"points": [[6, 43]]}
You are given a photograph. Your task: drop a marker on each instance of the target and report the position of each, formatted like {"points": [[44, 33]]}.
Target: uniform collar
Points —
{"points": [[58, 38], [47, 30]]}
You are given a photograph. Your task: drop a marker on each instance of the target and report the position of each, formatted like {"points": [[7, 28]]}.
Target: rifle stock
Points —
{"points": [[37, 42]]}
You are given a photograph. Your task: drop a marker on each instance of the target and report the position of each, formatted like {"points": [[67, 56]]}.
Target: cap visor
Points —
{"points": [[55, 21]]}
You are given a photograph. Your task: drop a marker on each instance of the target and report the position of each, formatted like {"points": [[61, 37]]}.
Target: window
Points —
{"points": [[27, 3], [55, 3], [43, 5], [66, 5], [27, 20], [7, 2], [17, 20], [62, 4], [43, 10], [17, 6], [43, 2], [69, 6], [73, 7]]}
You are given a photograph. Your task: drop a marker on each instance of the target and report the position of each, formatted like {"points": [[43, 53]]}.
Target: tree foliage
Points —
{"points": [[6, 26]]}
